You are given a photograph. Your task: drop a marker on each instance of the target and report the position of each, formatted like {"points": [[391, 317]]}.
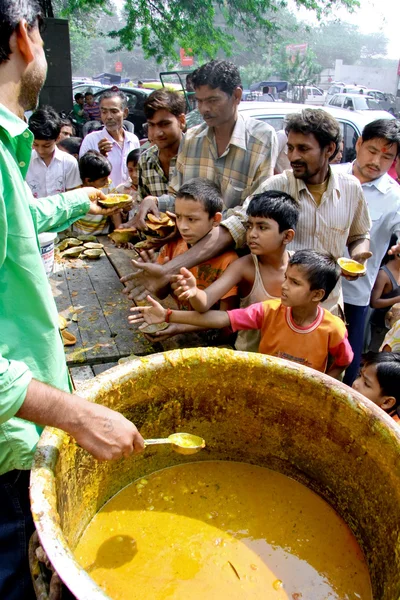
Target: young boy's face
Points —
{"points": [[44, 148], [164, 129], [97, 183], [296, 289], [133, 173], [192, 220], [367, 384], [89, 99], [262, 235]]}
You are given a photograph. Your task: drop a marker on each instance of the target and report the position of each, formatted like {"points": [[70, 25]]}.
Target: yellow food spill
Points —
{"points": [[351, 266], [218, 530]]}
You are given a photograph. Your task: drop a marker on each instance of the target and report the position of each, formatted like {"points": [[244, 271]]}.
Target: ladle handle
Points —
{"points": [[157, 441]]}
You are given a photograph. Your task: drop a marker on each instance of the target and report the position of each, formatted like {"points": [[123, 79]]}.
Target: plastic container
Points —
{"points": [[46, 241], [248, 407]]}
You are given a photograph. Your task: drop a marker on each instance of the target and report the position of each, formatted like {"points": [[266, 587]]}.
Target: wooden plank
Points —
{"points": [[120, 258], [116, 307], [97, 369], [80, 375]]}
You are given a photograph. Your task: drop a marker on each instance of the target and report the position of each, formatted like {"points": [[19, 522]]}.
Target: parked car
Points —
{"points": [[385, 101], [343, 88], [351, 122], [85, 87], [309, 93], [135, 98], [357, 102]]}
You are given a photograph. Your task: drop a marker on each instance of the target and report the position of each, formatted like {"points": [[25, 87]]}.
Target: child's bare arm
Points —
{"points": [[335, 371], [117, 220], [376, 295], [148, 256], [202, 300], [155, 313]]}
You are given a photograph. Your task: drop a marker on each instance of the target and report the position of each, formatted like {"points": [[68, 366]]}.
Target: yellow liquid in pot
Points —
{"points": [[222, 530]]}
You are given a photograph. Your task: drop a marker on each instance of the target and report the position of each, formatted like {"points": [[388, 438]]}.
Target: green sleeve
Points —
{"points": [[56, 213]]}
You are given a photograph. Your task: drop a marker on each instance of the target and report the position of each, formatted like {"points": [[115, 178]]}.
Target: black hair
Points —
{"points": [[88, 93], [320, 268], [91, 126], [204, 191], [387, 129], [67, 123], [45, 123], [78, 96], [387, 365], [94, 165], [164, 99], [71, 144], [279, 206], [220, 74], [11, 14], [321, 124], [115, 94], [140, 82], [133, 156], [389, 257]]}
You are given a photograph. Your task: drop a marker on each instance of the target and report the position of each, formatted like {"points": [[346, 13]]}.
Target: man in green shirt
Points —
{"points": [[34, 383]]}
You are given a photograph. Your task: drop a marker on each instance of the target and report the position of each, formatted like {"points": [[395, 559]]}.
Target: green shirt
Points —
{"points": [[79, 114], [30, 342]]}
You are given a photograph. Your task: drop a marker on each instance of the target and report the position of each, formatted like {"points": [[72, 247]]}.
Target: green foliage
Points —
{"points": [[206, 27]]}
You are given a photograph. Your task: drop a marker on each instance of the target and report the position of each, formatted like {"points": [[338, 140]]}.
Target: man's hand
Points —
{"points": [[106, 434], [149, 277], [184, 284], [147, 205], [105, 146], [155, 313], [94, 195], [361, 258]]}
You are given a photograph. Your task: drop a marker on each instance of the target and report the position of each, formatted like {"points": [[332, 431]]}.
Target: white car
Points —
{"points": [[358, 102], [343, 88], [351, 122]]}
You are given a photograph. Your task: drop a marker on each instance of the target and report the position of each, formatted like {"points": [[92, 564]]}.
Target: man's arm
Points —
{"points": [[152, 277], [104, 433], [55, 213]]}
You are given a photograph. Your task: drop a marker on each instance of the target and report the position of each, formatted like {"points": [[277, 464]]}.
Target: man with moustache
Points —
{"points": [[376, 149], [333, 211], [34, 382], [113, 141]]}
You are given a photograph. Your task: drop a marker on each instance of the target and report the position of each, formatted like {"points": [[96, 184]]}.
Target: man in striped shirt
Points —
{"points": [[333, 211]]}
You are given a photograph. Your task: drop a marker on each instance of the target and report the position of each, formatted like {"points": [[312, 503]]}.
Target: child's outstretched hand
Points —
{"points": [[149, 315], [184, 284]]}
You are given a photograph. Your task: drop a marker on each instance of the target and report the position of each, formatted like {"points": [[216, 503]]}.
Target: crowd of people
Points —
{"points": [[254, 252]]}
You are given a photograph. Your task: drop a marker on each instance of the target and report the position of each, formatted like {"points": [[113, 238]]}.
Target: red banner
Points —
{"points": [[118, 67], [186, 61]]}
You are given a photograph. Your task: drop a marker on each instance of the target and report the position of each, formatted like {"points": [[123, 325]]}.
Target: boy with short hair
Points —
{"points": [[95, 170], [51, 171], [78, 110], [91, 107], [71, 145], [198, 209], [295, 327], [271, 223]]}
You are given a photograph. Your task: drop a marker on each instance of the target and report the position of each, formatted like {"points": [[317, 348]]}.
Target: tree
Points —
{"points": [[162, 26]]}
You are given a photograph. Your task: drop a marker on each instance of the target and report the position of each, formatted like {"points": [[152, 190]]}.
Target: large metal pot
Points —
{"points": [[248, 407]]}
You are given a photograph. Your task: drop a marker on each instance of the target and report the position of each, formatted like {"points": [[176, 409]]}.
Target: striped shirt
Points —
{"points": [[247, 161], [341, 218], [152, 179], [93, 111]]}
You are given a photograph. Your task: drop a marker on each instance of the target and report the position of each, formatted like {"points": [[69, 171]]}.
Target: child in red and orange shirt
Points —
{"points": [[295, 327], [198, 208]]}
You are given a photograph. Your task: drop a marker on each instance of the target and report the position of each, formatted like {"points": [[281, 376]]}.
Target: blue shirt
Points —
{"points": [[383, 199]]}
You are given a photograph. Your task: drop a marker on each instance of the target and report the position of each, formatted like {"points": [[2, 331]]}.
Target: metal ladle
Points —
{"points": [[182, 443]]}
